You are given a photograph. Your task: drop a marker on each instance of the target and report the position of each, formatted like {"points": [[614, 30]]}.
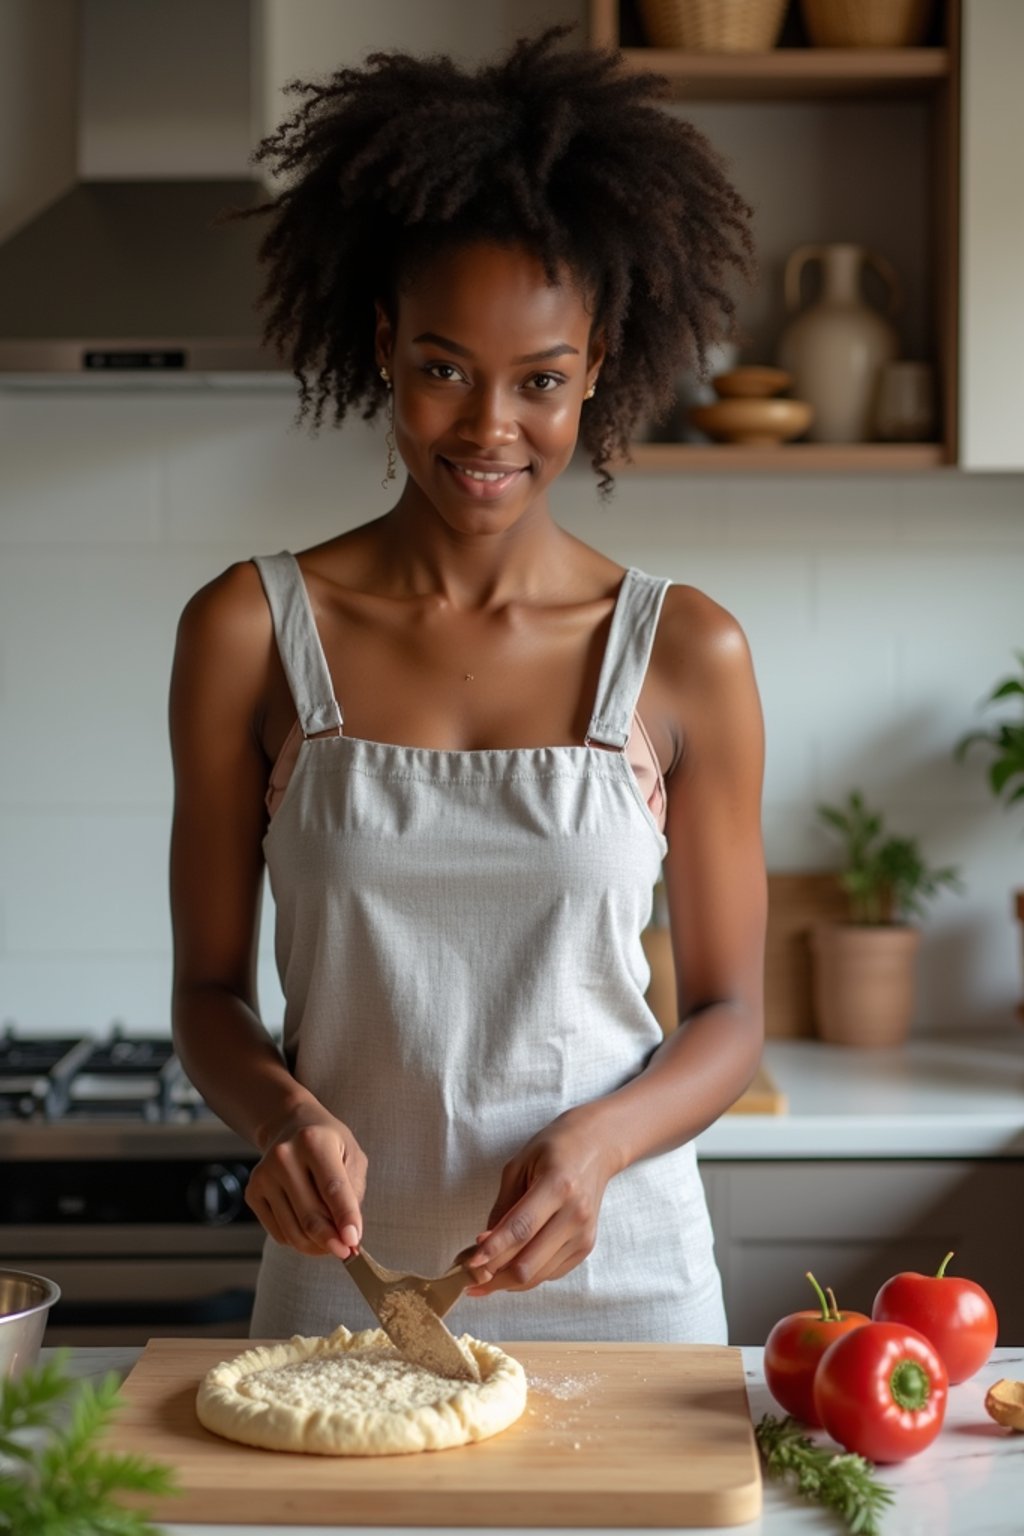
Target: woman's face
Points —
{"points": [[489, 364]]}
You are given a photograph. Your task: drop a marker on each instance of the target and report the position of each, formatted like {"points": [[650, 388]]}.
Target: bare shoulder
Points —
{"points": [[224, 659], [701, 693], [699, 643], [228, 615]]}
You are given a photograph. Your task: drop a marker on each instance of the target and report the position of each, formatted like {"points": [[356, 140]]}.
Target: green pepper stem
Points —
{"points": [[941, 1273], [834, 1315], [820, 1295]]}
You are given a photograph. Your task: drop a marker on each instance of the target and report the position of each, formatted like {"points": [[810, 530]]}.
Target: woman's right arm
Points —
{"points": [[307, 1187]]}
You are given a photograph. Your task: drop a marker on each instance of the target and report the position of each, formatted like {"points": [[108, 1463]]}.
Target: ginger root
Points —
{"points": [[1004, 1402]]}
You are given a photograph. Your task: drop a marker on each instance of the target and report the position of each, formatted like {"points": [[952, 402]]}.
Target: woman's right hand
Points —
{"points": [[307, 1187]]}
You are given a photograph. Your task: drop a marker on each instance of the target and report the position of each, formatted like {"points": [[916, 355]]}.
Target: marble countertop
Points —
{"points": [[968, 1483], [937, 1096]]}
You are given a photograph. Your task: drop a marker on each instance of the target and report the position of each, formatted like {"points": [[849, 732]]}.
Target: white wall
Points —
{"points": [[879, 611]]}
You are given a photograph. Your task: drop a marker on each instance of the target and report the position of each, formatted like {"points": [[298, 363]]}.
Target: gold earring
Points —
{"points": [[384, 374], [591, 392], [389, 436]]}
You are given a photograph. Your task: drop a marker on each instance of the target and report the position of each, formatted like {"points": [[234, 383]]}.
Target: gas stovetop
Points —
{"points": [[122, 1076]]}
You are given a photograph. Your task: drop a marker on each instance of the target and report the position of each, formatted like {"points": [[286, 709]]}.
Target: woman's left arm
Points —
{"points": [[717, 893], [544, 1221]]}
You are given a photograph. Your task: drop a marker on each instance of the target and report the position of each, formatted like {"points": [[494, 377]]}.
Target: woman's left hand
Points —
{"points": [[544, 1221]]}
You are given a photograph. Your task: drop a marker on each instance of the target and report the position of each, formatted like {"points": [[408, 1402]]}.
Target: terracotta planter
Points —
{"points": [[864, 982]]}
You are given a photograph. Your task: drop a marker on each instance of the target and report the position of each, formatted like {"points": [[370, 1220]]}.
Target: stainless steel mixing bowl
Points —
{"points": [[25, 1301]]}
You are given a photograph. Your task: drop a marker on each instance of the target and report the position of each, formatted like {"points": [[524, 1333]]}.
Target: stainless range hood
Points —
{"points": [[136, 283]]}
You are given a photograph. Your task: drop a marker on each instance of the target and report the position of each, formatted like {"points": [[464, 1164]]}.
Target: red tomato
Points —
{"points": [[881, 1391], [957, 1315], [794, 1347]]}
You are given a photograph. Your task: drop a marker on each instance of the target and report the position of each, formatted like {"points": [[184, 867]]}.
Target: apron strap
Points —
{"points": [[302, 655], [626, 656]]}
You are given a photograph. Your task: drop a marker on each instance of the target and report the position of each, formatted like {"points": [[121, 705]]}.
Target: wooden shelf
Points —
{"points": [[794, 74], [910, 94], [788, 458]]}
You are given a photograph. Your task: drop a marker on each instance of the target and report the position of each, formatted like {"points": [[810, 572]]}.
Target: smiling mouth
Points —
{"points": [[481, 482], [499, 472]]}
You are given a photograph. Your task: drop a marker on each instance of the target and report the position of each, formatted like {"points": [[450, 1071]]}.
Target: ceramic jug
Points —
{"points": [[836, 347]]}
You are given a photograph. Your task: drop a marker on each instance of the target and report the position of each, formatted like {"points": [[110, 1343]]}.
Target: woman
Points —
{"points": [[463, 741]]}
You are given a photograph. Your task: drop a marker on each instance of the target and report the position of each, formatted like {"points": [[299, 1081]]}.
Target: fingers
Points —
{"points": [[306, 1191], [338, 1194], [549, 1195], [296, 1223], [535, 1267], [514, 1184], [540, 1246]]}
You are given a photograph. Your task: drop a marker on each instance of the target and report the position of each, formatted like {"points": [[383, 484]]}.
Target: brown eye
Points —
{"points": [[434, 371]]}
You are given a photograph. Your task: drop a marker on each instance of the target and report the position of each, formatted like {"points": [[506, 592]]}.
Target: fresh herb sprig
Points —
{"points": [[56, 1482], [839, 1480]]}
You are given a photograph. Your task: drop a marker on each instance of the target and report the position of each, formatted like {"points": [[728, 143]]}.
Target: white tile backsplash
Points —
{"points": [[79, 469], [879, 611]]}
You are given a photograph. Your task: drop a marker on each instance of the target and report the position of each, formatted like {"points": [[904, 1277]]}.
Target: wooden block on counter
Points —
{"points": [[762, 1097], [796, 902]]}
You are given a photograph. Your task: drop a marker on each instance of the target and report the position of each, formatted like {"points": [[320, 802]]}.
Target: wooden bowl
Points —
{"points": [[753, 422], [751, 381]]}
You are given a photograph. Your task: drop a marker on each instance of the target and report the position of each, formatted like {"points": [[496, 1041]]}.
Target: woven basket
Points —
{"points": [[713, 26], [866, 23]]}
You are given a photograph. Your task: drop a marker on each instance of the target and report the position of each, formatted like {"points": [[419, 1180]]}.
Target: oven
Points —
{"points": [[118, 1183]]}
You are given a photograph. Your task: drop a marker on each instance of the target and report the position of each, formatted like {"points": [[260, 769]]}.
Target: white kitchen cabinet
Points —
{"points": [[992, 237], [856, 1223]]}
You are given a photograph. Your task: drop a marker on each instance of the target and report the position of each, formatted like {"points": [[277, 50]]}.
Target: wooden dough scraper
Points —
{"points": [[409, 1308]]}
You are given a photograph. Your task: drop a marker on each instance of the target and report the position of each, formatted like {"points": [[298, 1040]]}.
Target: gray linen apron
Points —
{"points": [[458, 941]]}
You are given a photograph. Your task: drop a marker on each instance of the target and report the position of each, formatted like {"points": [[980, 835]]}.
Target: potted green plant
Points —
{"points": [[865, 968], [1004, 741]]}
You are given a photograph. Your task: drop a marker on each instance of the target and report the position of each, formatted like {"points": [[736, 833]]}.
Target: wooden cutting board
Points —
{"points": [[612, 1435]]}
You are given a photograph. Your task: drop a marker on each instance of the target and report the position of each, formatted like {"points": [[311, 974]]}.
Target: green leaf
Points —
{"points": [[1005, 740], [69, 1487], [885, 880], [1001, 772], [1005, 689], [840, 1481]]}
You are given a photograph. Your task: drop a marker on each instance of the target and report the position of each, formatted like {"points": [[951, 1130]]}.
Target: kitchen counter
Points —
{"points": [[941, 1096], [967, 1484], [948, 1096]]}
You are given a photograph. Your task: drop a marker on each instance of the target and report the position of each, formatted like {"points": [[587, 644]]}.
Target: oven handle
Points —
{"points": [[229, 1306]]}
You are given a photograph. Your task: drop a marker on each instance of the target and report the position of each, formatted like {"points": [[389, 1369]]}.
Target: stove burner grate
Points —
{"points": [[122, 1076]]}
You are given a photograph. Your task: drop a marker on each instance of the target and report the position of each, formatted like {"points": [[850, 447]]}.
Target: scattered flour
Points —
{"points": [[563, 1387]]}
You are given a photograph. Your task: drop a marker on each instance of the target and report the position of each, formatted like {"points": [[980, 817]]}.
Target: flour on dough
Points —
{"points": [[352, 1394]]}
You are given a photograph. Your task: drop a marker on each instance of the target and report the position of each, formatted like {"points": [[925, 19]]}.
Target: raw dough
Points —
{"points": [[352, 1394]]}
